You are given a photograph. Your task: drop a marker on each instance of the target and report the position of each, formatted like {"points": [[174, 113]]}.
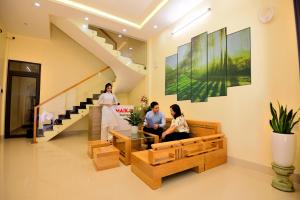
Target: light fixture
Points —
{"points": [[84, 26], [124, 30], [200, 15], [86, 19], [120, 36], [37, 4], [91, 10], [155, 26], [130, 48]]}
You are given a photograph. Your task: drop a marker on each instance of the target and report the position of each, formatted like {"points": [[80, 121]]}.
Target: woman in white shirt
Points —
{"points": [[179, 128], [110, 118]]}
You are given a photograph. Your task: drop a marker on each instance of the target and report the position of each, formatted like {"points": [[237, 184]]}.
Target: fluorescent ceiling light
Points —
{"points": [[97, 12], [37, 4], [202, 14]]}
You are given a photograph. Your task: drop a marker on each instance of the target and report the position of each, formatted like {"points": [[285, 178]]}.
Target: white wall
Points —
{"points": [[244, 112], [64, 62]]}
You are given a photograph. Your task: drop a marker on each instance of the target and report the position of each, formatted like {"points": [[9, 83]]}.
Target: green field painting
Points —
{"points": [[217, 63], [199, 68], [239, 58], [184, 72], [171, 75]]}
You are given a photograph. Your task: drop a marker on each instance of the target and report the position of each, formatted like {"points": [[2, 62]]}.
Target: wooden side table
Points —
{"points": [[96, 144], [128, 143], [106, 157]]}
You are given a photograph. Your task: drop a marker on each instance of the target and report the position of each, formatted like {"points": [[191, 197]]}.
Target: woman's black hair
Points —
{"points": [[153, 104], [106, 86], [176, 110]]}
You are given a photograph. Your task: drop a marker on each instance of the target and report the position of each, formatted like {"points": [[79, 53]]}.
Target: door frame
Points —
{"points": [[10, 74]]}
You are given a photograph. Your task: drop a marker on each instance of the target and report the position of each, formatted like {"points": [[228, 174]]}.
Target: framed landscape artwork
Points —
{"points": [[239, 58], [171, 75], [217, 63], [199, 68], [184, 72]]}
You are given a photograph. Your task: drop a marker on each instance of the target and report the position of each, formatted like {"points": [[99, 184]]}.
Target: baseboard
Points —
{"points": [[258, 167]]}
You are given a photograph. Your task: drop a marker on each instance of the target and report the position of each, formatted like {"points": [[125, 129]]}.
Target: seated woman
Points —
{"points": [[179, 128]]}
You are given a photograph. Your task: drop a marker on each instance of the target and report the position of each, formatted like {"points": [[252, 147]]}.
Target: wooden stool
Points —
{"points": [[96, 144], [106, 157]]}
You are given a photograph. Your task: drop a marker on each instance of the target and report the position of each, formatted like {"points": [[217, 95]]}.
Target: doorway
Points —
{"points": [[22, 94]]}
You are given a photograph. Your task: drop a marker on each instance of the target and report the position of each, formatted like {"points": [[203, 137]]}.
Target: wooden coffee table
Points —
{"points": [[128, 143]]}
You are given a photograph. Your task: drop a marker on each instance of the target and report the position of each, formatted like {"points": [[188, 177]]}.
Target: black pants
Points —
{"points": [[157, 131], [176, 136]]}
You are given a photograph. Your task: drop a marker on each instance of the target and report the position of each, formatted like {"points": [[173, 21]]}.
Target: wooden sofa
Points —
{"points": [[206, 149]]}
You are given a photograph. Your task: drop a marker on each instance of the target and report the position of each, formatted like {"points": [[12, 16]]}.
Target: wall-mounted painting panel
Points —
{"points": [[184, 72], [199, 68], [171, 75], [217, 63], [239, 58]]}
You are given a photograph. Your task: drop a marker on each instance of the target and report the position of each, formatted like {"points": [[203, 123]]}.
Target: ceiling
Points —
{"points": [[136, 16], [133, 10]]}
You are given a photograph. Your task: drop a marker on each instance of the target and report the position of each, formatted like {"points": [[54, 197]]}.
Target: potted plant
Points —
{"points": [[283, 139], [134, 120]]}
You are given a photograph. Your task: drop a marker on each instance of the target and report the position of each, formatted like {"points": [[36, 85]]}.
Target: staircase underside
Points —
{"points": [[127, 77]]}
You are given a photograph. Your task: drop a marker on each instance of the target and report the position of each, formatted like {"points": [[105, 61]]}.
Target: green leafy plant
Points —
{"points": [[284, 121], [134, 118]]}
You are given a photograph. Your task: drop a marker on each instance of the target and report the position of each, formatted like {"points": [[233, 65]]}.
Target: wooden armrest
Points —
{"points": [[212, 136], [189, 141], [165, 145]]}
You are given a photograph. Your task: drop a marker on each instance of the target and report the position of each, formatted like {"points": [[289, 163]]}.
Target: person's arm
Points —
{"points": [[145, 121], [116, 102], [100, 100], [172, 128], [163, 121]]}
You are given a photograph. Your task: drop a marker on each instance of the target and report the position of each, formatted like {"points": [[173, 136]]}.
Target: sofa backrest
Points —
{"points": [[200, 128]]}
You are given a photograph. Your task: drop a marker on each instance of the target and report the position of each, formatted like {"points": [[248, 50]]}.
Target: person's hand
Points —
{"points": [[163, 135], [156, 126]]}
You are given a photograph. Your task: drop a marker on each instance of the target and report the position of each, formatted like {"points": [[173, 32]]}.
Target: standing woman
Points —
{"points": [[110, 118], [179, 128]]}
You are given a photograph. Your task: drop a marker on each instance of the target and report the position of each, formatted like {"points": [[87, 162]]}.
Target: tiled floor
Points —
{"points": [[61, 170]]}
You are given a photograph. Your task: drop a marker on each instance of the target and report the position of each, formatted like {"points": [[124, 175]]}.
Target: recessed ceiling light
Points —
{"points": [[130, 48], [37, 4], [124, 30], [84, 26], [120, 35], [155, 26], [86, 18]]}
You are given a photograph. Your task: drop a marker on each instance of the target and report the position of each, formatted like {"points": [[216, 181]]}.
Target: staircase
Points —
{"points": [[66, 120], [124, 68], [69, 106]]}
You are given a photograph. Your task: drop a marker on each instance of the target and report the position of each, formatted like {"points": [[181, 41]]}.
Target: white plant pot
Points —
{"points": [[134, 129], [283, 149]]}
